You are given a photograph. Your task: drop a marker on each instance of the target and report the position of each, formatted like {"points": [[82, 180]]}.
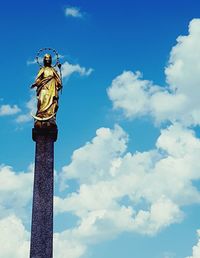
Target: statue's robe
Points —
{"points": [[48, 84]]}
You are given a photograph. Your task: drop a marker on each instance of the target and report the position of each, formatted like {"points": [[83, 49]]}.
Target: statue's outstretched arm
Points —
{"points": [[38, 78]]}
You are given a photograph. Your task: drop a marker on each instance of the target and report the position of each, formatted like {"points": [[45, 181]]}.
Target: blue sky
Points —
{"points": [[126, 160]]}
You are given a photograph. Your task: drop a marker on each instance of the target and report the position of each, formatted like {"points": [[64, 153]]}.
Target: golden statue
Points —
{"points": [[48, 83]]}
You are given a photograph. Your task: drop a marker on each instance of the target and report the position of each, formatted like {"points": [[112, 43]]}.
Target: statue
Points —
{"points": [[48, 83]]}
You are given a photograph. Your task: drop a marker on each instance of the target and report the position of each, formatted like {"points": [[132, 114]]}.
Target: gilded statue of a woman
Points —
{"points": [[48, 84]]}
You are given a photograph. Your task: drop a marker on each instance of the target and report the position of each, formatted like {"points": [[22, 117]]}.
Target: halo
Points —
{"points": [[47, 49]]}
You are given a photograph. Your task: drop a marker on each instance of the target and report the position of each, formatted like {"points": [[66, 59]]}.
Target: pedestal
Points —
{"points": [[42, 212]]}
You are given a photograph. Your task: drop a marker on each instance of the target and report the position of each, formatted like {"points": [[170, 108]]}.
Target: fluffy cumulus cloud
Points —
{"points": [[141, 192], [30, 108], [196, 248], [7, 110], [137, 97], [65, 245], [73, 12], [15, 191], [98, 153], [119, 191], [15, 198], [179, 101], [14, 239], [68, 69]]}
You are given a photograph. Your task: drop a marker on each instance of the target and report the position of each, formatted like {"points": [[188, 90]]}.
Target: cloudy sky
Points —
{"points": [[127, 170]]}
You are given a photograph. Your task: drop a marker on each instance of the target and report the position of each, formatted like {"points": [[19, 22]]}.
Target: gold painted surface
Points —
{"points": [[48, 83]]}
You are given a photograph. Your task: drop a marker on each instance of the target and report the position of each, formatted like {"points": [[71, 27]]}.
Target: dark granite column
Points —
{"points": [[42, 212]]}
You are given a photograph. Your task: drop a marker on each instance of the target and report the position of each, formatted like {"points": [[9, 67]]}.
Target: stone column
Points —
{"points": [[42, 212]]}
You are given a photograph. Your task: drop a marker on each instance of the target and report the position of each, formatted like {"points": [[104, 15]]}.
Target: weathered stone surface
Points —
{"points": [[42, 212]]}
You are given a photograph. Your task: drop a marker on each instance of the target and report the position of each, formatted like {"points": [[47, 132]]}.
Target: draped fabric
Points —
{"points": [[48, 84]]}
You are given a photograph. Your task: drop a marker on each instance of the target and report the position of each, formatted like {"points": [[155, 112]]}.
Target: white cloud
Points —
{"points": [[137, 97], [66, 246], [177, 102], [14, 239], [196, 248], [15, 191], [73, 12], [15, 199], [162, 213], [68, 69], [97, 154], [7, 110], [156, 184], [31, 62], [31, 107], [184, 66]]}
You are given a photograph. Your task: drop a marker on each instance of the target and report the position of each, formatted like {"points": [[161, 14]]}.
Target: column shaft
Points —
{"points": [[42, 212]]}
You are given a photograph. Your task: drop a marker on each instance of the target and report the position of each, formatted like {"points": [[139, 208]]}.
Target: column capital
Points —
{"points": [[48, 132]]}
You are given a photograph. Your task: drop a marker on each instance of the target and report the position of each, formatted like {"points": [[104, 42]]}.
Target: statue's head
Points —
{"points": [[47, 60]]}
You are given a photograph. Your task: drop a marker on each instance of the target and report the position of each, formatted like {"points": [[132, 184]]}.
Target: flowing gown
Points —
{"points": [[48, 84]]}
